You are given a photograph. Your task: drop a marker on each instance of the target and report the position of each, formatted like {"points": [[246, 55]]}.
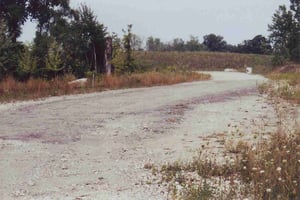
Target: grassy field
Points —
{"points": [[203, 61]]}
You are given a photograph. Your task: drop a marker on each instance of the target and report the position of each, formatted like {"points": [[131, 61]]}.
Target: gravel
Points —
{"points": [[95, 146]]}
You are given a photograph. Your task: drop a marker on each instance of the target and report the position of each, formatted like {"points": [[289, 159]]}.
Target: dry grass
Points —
{"points": [[283, 85], [270, 171], [266, 170], [12, 90], [203, 60]]}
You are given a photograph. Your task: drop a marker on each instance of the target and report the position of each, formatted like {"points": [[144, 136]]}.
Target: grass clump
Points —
{"points": [[283, 85], [268, 170]]}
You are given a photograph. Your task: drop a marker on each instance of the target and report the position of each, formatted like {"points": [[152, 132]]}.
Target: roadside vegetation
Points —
{"points": [[265, 170], [12, 90], [285, 85], [268, 169], [72, 42]]}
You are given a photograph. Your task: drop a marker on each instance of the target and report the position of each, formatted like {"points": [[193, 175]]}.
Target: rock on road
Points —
{"points": [[95, 146]]}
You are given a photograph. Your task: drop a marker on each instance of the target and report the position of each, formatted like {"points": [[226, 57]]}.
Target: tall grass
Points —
{"points": [[11, 90]]}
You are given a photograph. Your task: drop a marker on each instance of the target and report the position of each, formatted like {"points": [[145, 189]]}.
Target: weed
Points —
{"points": [[283, 85]]}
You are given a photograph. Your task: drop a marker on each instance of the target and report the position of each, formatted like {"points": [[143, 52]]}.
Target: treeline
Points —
{"points": [[215, 43], [74, 41], [283, 41], [66, 40]]}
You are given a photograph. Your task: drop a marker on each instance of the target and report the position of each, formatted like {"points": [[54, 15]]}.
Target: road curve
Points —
{"points": [[95, 146]]}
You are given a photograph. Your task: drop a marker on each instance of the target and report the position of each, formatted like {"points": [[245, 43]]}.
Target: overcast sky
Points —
{"points": [[235, 20]]}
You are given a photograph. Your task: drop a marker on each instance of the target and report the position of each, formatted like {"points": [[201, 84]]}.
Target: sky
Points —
{"points": [[235, 20]]}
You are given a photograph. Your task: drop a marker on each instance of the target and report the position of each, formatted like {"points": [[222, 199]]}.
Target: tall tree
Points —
{"points": [[295, 6], [178, 44], [17, 12], [281, 30], [47, 12], [258, 45], [86, 42], [14, 13], [214, 43], [285, 32], [154, 44], [193, 44], [7, 54], [127, 44]]}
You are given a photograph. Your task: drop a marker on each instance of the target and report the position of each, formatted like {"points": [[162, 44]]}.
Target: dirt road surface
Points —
{"points": [[95, 146]]}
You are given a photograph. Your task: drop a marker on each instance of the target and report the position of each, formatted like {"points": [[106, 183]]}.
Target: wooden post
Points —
{"points": [[108, 55]]}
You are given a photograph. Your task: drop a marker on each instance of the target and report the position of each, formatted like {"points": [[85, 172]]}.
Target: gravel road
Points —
{"points": [[95, 146]]}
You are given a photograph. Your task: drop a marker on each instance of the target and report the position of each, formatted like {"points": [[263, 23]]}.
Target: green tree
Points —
{"points": [[47, 12], [127, 44], [285, 32], [27, 63], [193, 44], [154, 44], [9, 52], [178, 44], [295, 6], [281, 31], [295, 52], [86, 42], [213, 42], [15, 14], [258, 45], [54, 63]]}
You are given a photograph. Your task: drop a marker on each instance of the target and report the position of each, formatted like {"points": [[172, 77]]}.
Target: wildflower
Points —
{"points": [[244, 168], [284, 161], [268, 190], [254, 169], [279, 179], [288, 151], [278, 169], [298, 161], [262, 171]]}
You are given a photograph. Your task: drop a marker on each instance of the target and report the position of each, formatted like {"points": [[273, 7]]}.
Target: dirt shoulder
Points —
{"points": [[95, 146]]}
